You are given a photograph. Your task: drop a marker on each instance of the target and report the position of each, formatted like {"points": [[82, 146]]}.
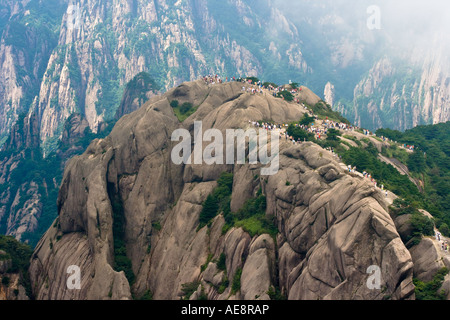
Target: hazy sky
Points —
{"points": [[409, 21], [416, 18]]}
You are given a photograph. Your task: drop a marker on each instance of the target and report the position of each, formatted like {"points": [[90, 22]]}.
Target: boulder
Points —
{"points": [[427, 259]]}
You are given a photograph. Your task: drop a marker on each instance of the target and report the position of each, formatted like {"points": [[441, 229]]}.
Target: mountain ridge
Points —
{"points": [[149, 167]]}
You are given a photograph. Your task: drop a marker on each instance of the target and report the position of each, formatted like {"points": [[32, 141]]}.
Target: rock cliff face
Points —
{"points": [[396, 76], [331, 226], [399, 96], [29, 182], [329, 94], [20, 199], [12, 277], [62, 57], [10, 289], [25, 47], [138, 91], [24, 135], [87, 51]]}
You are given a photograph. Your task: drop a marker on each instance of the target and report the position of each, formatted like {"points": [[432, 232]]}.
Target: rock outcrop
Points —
{"points": [[11, 287], [138, 91], [428, 259], [13, 290], [428, 255], [25, 134], [25, 48], [69, 57], [331, 225], [29, 180], [20, 198]]}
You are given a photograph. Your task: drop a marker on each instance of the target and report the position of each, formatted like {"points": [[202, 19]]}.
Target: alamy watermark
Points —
{"points": [[74, 280], [374, 280], [214, 152], [73, 16], [374, 19]]}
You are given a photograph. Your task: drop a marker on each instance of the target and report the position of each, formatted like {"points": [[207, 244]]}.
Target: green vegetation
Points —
{"points": [[32, 167], [108, 72], [416, 162], [221, 262], [121, 261], [294, 85], [286, 95], [185, 108], [323, 111], [391, 134], [88, 136], [275, 294], [354, 139], [333, 135], [148, 295], [252, 218], [395, 152], [399, 84], [254, 80], [402, 207], [157, 226], [223, 286], [219, 201], [268, 84], [429, 163], [74, 68], [202, 296], [255, 38], [189, 288], [20, 255], [307, 120], [46, 173], [208, 260], [4, 257], [34, 35], [299, 134], [366, 160], [236, 284], [174, 104], [421, 224], [45, 15], [430, 290], [6, 280], [140, 85], [183, 111]]}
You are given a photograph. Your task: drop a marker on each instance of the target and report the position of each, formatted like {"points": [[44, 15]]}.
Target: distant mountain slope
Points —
{"points": [[396, 77], [84, 52], [29, 182], [59, 57]]}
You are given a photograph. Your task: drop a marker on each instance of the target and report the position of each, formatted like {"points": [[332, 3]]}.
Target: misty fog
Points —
{"points": [[404, 24]]}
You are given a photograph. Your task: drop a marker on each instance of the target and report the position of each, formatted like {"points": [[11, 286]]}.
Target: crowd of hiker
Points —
{"points": [[284, 135], [252, 86], [319, 127], [442, 241]]}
